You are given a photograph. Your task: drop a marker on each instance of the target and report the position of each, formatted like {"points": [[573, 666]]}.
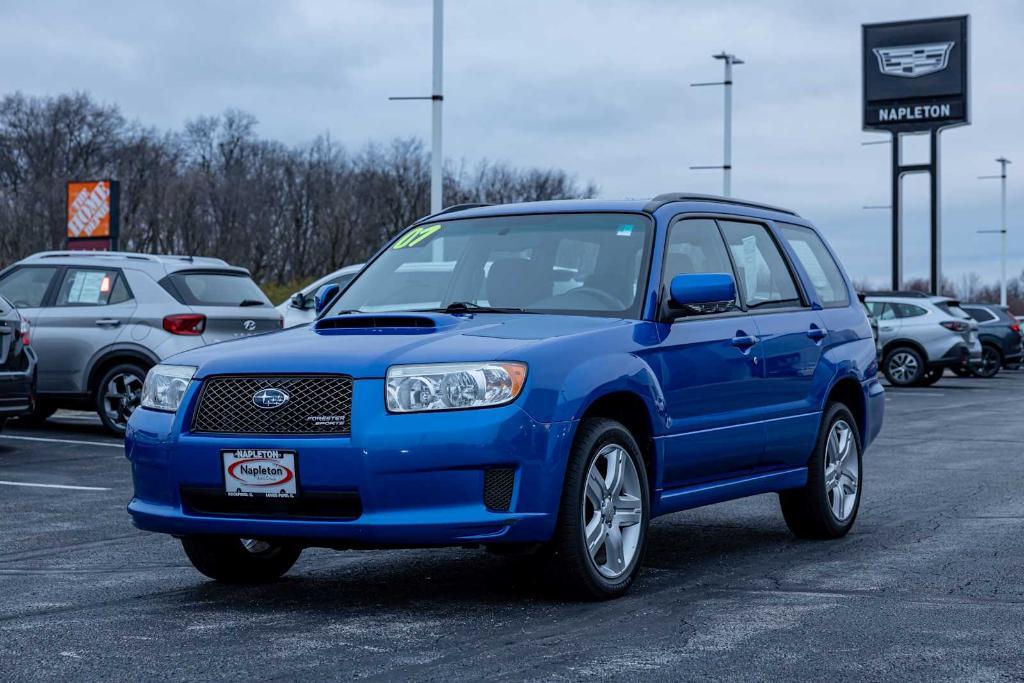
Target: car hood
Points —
{"points": [[364, 346]]}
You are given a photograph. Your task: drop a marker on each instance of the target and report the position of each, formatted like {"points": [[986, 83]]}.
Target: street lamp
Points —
{"points": [[729, 60], [436, 161], [1002, 161]]}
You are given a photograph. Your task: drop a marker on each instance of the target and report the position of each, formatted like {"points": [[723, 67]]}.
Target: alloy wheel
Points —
{"points": [[990, 362], [121, 397], [842, 471], [903, 367], [612, 511], [256, 546]]}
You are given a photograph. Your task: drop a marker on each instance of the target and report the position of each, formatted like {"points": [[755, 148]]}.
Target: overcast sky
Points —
{"points": [[598, 88]]}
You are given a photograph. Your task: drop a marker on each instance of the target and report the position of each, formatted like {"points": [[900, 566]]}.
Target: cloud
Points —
{"points": [[600, 89]]}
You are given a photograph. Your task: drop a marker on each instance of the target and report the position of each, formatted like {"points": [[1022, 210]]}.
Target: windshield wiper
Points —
{"points": [[470, 307], [251, 302]]}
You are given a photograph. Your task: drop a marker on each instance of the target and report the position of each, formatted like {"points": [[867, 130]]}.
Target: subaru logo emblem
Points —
{"points": [[249, 325], [269, 398]]}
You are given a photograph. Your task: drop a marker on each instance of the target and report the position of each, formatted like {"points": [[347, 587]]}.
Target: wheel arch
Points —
{"points": [[111, 356], [629, 409], [848, 391], [897, 343]]}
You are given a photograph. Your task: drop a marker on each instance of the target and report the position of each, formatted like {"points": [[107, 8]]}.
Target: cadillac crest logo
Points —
{"points": [[912, 61]]}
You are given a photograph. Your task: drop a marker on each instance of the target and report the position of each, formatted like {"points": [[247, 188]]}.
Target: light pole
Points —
{"points": [[1002, 161], [436, 98], [729, 60]]}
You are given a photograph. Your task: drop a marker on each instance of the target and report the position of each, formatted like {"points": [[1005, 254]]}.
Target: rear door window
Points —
{"points": [[26, 287], [216, 289], [764, 277], [818, 262], [908, 310], [92, 287]]}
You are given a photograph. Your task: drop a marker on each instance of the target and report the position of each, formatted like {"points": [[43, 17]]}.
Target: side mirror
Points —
{"points": [[324, 296], [703, 292], [299, 301]]}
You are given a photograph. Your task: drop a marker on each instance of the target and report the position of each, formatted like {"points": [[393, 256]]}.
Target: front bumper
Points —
{"points": [[418, 478]]}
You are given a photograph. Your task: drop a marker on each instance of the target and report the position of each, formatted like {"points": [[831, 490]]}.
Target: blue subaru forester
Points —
{"points": [[540, 378]]}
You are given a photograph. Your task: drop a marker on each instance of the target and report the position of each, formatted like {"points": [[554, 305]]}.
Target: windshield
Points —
{"points": [[581, 264]]}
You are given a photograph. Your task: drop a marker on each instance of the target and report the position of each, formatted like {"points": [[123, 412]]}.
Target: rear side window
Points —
{"points": [[92, 287], [953, 308], [764, 278], [26, 287], [819, 264], [982, 315], [216, 289]]}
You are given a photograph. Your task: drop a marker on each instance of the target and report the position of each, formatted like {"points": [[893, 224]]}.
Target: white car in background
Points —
{"points": [[298, 308]]}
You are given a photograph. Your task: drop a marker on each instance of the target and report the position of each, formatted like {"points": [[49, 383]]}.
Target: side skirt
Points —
{"points": [[674, 500]]}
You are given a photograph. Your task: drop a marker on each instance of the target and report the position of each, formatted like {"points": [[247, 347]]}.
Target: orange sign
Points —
{"points": [[89, 209]]}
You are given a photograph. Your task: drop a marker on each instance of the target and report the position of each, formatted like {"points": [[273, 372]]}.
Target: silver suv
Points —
{"points": [[100, 320], [922, 335]]}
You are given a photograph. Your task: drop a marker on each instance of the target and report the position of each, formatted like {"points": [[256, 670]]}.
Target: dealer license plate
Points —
{"points": [[266, 472]]}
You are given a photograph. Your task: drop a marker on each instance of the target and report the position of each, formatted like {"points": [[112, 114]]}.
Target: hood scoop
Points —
{"points": [[383, 323]]}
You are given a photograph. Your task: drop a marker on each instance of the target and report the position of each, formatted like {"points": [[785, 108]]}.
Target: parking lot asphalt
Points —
{"points": [[929, 584]]}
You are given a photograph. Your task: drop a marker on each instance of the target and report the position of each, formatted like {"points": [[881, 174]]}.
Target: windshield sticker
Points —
{"points": [[625, 230], [416, 236]]}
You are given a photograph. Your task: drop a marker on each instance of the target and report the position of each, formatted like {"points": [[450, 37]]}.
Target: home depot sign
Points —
{"points": [[92, 214]]}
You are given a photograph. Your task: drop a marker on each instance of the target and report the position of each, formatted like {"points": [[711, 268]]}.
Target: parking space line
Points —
{"points": [[70, 441], [54, 486]]}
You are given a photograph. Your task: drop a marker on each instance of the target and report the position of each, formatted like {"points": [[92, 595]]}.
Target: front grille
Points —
{"points": [[341, 505], [498, 485], [317, 404]]}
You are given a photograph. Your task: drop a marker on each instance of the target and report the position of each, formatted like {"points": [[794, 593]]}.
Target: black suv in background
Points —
{"points": [[17, 364], [1000, 337]]}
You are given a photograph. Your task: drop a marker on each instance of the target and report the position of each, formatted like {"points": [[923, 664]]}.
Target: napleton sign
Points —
{"points": [[92, 214]]}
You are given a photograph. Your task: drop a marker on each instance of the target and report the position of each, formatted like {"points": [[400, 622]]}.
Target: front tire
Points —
{"points": [[827, 506], [118, 394], [903, 367], [601, 536], [237, 560]]}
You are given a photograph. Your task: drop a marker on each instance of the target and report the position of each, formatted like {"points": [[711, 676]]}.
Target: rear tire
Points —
{"points": [[903, 366], [931, 377], [991, 362], [234, 560], [604, 513], [39, 415], [823, 509], [118, 394]]}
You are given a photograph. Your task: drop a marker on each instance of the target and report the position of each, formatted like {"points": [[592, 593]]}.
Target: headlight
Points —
{"points": [[165, 386], [450, 386]]}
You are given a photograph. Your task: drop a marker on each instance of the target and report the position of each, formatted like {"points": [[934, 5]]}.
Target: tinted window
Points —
{"points": [[26, 287], [91, 287], [218, 289], [819, 264], [763, 275], [908, 310], [954, 310], [980, 314]]}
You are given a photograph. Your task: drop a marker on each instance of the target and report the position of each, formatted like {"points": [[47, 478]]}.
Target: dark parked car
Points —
{"points": [[1000, 338], [17, 364]]}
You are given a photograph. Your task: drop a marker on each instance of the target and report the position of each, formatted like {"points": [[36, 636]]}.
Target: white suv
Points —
{"points": [[922, 335], [100, 320]]}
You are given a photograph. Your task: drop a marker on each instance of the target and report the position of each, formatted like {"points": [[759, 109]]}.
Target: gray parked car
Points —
{"points": [[922, 335], [100, 320], [1000, 337]]}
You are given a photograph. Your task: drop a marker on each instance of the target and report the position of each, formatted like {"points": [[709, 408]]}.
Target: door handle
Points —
{"points": [[743, 341], [108, 322], [816, 333]]}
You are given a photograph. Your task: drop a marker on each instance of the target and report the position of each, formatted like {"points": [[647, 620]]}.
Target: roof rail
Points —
{"points": [[450, 209], [663, 199], [908, 294]]}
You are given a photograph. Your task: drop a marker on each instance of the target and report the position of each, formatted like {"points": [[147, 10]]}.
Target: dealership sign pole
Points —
{"points": [[93, 214], [916, 81]]}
